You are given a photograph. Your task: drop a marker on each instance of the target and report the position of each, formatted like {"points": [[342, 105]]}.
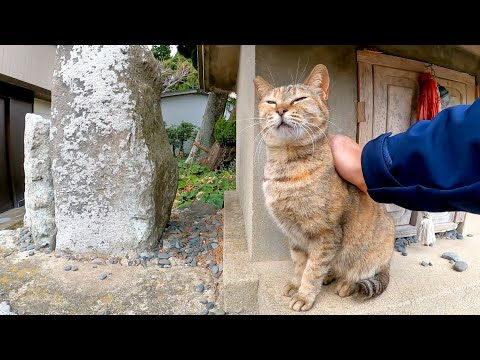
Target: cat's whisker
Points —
{"points": [[331, 122], [291, 76], [259, 144], [323, 132], [311, 137], [248, 127], [248, 119], [298, 65], [273, 81], [303, 72]]}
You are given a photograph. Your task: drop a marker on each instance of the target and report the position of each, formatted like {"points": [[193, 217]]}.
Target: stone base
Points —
{"points": [[255, 287]]}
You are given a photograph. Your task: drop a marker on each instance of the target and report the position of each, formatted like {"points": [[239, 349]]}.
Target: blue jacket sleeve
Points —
{"points": [[433, 166]]}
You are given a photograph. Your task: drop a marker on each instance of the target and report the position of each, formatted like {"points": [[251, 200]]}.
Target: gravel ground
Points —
{"points": [[182, 276]]}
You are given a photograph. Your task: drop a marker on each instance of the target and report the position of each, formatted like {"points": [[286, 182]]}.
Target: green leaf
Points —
{"points": [[224, 185], [215, 200], [190, 194], [181, 184], [185, 204], [207, 189]]}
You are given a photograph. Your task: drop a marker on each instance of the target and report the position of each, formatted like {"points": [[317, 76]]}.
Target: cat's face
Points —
{"points": [[294, 114]]}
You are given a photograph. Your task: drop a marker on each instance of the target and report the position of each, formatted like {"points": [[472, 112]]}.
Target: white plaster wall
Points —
{"points": [[32, 64], [187, 107]]}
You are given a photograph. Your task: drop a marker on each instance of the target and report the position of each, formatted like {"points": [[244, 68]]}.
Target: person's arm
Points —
{"points": [[434, 166]]}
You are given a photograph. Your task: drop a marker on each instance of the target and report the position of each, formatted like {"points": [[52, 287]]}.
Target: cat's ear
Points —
{"points": [[262, 86], [319, 80]]}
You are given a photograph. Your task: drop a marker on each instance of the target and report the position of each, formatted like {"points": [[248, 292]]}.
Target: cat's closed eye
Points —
{"points": [[299, 99], [271, 102]]}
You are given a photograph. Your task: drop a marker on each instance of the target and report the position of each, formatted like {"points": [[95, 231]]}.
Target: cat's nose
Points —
{"points": [[281, 111]]}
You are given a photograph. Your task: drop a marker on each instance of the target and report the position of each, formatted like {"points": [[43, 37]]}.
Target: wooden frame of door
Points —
{"points": [[366, 61]]}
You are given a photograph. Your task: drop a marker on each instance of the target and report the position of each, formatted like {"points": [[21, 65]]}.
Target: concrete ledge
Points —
{"points": [[234, 227], [240, 285], [413, 289], [239, 278]]}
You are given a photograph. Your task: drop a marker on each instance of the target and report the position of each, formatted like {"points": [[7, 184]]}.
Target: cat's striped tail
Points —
{"points": [[375, 285]]}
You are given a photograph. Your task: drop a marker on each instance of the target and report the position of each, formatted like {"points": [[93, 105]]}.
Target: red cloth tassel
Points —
{"points": [[428, 98]]}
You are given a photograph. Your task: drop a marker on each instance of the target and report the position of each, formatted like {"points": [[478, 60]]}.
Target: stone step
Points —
{"points": [[256, 287], [413, 288]]}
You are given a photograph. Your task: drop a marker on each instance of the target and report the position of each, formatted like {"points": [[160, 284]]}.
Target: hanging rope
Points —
{"points": [[428, 98]]}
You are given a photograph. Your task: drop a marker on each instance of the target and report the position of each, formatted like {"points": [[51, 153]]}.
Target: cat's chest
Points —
{"points": [[295, 194]]}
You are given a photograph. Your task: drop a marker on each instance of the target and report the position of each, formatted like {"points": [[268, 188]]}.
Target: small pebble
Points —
{"points": [[459, 236], [220, 312], [204, 302], [404, 253], [74, 268], [214, 269], [424, 263], [164, 255], [204, 312], [469, 235], [94, 266], [167, 266], [460, 266], [163, 262], [199, 288], [112, 261], [193, 263], [31, 253], [57, 255], [67, 267], [210, 305], [430, 263], [102, 276], [214, 245]]}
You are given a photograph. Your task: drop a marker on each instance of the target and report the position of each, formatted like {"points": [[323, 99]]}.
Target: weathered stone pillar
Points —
{"points": [[39, 200], [114, 176]]}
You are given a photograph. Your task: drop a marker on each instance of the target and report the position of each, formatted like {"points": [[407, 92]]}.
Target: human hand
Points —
{"points": [[347, 160]]}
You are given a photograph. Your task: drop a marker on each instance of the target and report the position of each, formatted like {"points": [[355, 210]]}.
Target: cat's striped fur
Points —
{"points": [[335, 230]]}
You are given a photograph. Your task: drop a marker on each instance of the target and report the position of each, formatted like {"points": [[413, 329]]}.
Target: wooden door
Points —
{"points": [[6, 199], [15, 103], [388, 93], [18, 110]]}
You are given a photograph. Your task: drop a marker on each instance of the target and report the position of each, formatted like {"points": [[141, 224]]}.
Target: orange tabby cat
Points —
{"points": [[335, 230]]}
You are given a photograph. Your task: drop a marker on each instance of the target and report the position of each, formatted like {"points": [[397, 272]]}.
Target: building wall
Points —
{"points": [[29, 66], [265, 242], [245, 135], [187, 107]]}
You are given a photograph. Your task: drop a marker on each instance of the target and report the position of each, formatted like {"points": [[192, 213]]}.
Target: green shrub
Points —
{"points": [[198, 183], [178, 135], [225, 131]]}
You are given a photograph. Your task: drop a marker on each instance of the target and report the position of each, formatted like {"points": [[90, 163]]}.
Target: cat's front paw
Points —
{"points": [[301, 302], [290, 289]]}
